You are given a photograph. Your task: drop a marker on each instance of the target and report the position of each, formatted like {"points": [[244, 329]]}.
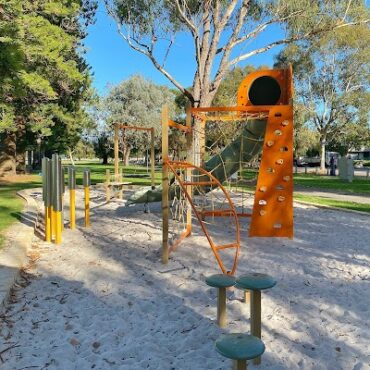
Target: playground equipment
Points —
{"points": [[53, 189], [86, 184], [72, 197], [221, 282], [240, 348], [265, 112], [118, 183], [255, 282], [52, 177]]}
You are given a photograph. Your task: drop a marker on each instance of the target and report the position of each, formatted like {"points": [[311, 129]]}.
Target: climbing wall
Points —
{"points": [[273, 203]]}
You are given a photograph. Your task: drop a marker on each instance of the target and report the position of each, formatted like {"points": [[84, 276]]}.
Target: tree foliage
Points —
{"points": [[44, 79], [137, 102], [332, 84], [223, 32]]}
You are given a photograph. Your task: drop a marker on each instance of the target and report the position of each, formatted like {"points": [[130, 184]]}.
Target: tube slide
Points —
{"points": [[222, 165]]}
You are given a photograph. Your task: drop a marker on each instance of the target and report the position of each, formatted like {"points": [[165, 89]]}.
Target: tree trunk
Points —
{"points": [[127, 156], [71, 156], [8, 155], [105, 158], [322, 155]]}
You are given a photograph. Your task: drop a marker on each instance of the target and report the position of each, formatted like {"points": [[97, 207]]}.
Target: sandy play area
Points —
{"points": [[103, 300]]}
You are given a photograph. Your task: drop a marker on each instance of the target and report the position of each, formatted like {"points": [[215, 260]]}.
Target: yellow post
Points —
{"points": [[165, 184], [72, 208], [152, 157], [62, 213], [58, 227], [53, 223], [116, 153], [48, 224]]}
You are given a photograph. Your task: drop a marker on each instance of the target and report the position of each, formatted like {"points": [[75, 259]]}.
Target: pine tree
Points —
{"points": [[44, 79]]}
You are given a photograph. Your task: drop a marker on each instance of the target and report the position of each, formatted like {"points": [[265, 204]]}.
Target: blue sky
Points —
{"points": [[112, 60]]}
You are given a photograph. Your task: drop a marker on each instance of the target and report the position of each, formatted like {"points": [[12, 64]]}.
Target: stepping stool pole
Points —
{"points": [[247, 296], [221, 282], [239, 347], [255, 309], [240, 365], [254, 283], [221, 308]]}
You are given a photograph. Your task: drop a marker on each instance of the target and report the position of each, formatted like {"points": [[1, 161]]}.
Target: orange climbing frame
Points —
{"points": [[174, 167], [264, 94]]}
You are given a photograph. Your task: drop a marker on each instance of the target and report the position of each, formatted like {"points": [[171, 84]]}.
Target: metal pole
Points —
{"points": [[72, 197], [87, 183], [46, 196]]}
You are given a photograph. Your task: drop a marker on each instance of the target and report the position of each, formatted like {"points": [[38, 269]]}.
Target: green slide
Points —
{"points": [[222, 165]]}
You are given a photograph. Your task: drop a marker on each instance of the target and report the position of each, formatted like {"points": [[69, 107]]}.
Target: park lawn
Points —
{"points": [[10, 204], [329, 202], [332, 183], [97, 171], [320, 182]]}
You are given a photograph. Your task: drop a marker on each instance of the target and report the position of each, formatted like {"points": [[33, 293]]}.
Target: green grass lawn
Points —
{"points": [[332, 202], [98, 173], [10, 204], [332, 183]]}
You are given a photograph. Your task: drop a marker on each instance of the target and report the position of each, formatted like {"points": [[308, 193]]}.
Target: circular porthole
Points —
{"points": [[264, 90]]}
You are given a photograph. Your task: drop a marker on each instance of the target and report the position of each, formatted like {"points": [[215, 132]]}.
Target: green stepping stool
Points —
{"points": [[221, 282], [255, 282], [240, 348]]}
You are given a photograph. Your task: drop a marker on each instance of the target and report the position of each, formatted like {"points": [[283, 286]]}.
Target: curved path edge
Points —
{"points": [[18, 240]]}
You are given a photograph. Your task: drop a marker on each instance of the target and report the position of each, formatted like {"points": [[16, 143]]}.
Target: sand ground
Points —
{"points": [[103, 300]]}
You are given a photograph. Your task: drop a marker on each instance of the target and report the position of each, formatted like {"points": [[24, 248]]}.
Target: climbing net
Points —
{"points": [[229, 152]]}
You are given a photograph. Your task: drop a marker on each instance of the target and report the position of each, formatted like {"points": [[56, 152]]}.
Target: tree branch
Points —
{"points": [[292, 39]]}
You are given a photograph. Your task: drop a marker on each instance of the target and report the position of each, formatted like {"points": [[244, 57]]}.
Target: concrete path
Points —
{"points": [[360, 198], [18, 240]]}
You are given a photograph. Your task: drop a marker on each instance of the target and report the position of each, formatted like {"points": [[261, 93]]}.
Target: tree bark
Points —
{"points": [[70, 154], [322, 154], [127, 152], [8, 155]]}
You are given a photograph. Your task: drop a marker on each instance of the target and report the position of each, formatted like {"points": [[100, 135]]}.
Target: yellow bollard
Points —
{"points": [[48, 224], [53, 223], [72, 208], [58, 227]]}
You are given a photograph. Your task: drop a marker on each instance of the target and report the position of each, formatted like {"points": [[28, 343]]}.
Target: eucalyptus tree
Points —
{"points": [[136, 102], [332, 85], [223, 33]]}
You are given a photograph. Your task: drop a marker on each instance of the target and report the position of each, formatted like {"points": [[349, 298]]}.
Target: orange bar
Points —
{"points": [[177, 242], [179, 126]]}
